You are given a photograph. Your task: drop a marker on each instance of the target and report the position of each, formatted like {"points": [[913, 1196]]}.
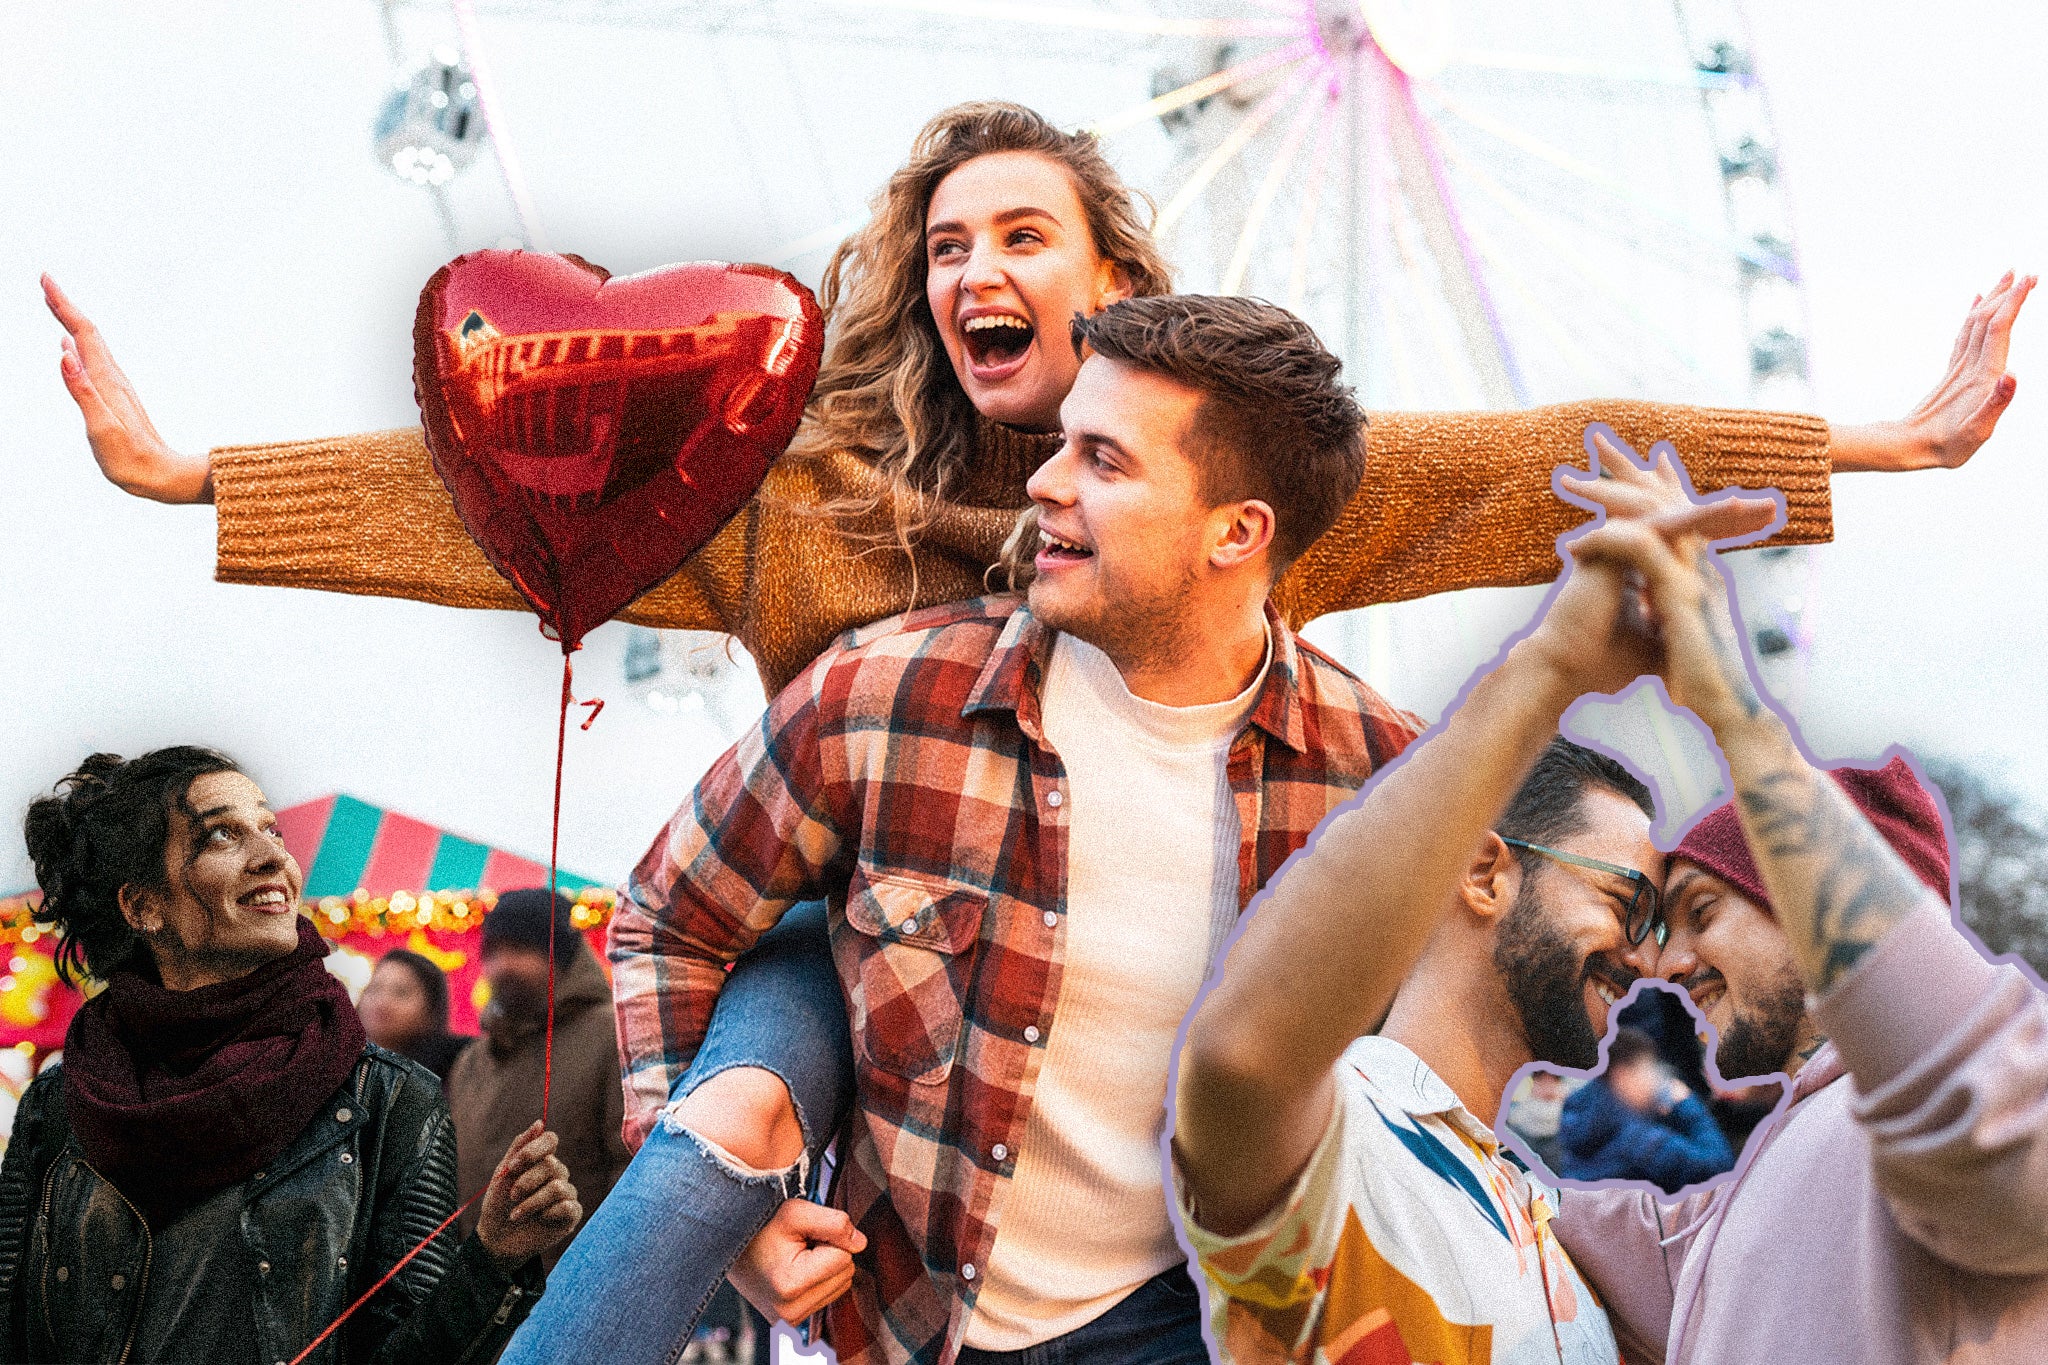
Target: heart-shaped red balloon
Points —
{"points": [[596, 432]]}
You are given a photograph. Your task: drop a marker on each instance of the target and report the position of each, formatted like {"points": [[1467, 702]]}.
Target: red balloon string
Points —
{"points": [[547, 1072], [403, 1261], [547, 1066]]}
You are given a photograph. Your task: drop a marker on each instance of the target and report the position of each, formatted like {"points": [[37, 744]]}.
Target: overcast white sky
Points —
{"points": [[200, 177]]}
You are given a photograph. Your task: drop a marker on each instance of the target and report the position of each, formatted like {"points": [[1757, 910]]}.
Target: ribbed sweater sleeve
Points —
{"points": [[1463, 499], [367, 514], [1450, 500]]}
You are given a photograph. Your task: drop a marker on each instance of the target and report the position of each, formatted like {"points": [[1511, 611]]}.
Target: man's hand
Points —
{"points": [[1684, 615], [1598, 635], [529, 1207], [1950, 424], [800, 1262], [124, 441]]}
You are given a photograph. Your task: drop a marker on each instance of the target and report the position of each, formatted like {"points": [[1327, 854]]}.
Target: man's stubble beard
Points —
{"points": [[1545, 979], [1760, 1039], [1135, 632]]}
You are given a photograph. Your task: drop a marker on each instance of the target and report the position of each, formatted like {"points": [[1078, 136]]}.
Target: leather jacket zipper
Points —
{"points": [[43, 1228], [142, 1281]]}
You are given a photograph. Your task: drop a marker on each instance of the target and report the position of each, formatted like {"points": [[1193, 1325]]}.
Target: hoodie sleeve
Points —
{"points": [[1949, 1054]]}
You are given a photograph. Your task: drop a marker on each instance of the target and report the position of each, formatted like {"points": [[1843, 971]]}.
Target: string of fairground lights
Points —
{"points": [[547, 1072]]}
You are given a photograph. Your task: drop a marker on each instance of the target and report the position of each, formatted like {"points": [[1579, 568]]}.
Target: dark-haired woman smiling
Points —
{"points": [[223, 1163]]}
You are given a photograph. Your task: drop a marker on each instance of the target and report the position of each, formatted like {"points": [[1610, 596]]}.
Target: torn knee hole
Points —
{"points": [[792, 1177]]}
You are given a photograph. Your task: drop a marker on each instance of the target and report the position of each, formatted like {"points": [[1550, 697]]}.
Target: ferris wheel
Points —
{"points": [[1477, 203]]}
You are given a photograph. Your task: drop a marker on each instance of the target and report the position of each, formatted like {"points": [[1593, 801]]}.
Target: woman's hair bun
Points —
{"points": [[103, 827]]}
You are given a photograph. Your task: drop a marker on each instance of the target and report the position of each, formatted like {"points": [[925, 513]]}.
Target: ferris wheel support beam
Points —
{"points": [[1356, 249], [1428, 191], [1269, 189]]}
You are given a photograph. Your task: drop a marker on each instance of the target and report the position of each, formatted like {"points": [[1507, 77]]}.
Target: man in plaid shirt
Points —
{"points": [[1035, 821]]}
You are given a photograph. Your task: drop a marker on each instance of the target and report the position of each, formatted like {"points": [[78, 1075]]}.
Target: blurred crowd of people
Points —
{"points": [[1652, 1113]]}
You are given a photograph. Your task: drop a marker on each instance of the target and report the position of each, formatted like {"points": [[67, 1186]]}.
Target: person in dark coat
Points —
{"points": [[1637, 1122], [405, 1009], [494, 1088], [222, 1164]]}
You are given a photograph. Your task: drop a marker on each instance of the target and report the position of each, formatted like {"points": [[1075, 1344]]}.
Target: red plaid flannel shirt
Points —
{"points": [[905, 777]]}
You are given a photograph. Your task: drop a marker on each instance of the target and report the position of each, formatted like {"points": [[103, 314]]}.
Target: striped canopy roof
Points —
{"points": [[346, 845]]}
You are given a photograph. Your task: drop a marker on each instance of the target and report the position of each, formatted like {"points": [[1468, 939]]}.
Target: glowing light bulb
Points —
{"points": [[1415, 35]]}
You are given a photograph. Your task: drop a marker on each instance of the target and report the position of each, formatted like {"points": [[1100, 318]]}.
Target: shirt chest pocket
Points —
{"points": [[914, 941]]}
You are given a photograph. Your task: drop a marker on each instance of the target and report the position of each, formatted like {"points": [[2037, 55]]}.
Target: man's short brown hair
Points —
{"points": [[1274, 423]]}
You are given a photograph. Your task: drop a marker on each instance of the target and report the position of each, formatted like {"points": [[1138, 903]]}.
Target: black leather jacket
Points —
{"points": [[368, 1178]]}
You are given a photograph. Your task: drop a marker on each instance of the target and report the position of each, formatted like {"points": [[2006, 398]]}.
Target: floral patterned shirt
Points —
{"points": [[1411, 1235]]}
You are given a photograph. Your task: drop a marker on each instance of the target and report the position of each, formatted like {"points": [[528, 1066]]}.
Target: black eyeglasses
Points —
{"points": [[1641, 918]]}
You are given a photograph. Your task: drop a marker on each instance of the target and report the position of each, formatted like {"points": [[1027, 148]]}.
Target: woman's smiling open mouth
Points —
{"points": [[997, 343]]}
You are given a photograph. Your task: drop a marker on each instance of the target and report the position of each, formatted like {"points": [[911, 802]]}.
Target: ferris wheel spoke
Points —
{"points": [[1407, 391], [1547, 236], [1429, 194], [1650, 239], [1675, 77], [1073, 17], [1562, 342], [1247, 128], [1453, 359], [1269, 189], [1305, 221], [1592, 175], [1596, 353], [1202, 89]]}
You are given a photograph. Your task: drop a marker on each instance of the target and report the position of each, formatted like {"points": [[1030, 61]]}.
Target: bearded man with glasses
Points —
{"points": [[1345, 1194]]}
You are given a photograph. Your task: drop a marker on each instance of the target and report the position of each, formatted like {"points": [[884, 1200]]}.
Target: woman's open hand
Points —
{"points": [[1952, 423], [529, 1207], [124, 441]]}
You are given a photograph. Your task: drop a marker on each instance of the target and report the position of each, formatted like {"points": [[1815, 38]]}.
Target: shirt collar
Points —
{"points": [[1403, 1079], [1015, 673], [1406, 1082]]}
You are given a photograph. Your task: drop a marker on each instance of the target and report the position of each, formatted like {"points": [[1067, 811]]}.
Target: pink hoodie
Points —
{"points": [[1896, 1212]]}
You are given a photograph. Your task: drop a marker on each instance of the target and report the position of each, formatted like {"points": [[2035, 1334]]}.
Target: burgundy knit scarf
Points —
{"points": [[177, 1094]]}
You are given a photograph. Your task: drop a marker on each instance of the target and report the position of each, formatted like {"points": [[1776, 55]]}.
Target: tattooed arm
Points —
{"points": [[1836, 886], [1948, 1052]]}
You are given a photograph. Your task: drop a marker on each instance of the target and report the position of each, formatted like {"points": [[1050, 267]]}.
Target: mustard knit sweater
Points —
{"points": [[1450, 500]]}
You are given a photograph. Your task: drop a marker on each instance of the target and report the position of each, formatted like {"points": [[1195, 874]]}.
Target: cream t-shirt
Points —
{"points": [[1151, 895]]}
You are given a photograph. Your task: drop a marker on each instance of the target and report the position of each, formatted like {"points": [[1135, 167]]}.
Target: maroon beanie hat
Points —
{"points": [[1891, 798]]}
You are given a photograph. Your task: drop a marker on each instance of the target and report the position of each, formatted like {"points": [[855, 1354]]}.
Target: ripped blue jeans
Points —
{"points": [[638, 1275]]}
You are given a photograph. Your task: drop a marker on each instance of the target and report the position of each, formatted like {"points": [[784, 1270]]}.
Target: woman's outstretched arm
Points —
{"points": [[1459, 499]]}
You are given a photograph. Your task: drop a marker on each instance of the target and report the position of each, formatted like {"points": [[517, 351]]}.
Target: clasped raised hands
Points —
{"points": [[1602, 631], [1656, 546]]}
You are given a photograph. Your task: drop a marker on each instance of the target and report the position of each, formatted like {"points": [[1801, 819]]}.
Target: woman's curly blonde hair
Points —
{"points": [[886, 390]]}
